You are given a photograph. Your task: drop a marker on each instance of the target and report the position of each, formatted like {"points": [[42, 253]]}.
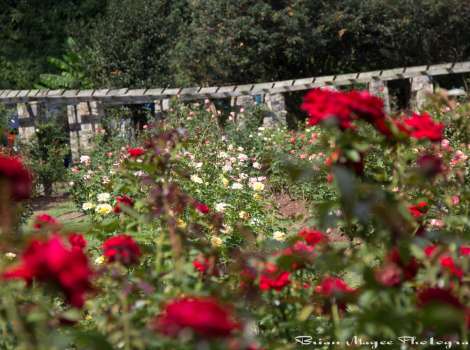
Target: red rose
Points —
{"points": [[333, 286], [465, 250], [17, 177], [421, 126], [77, 241], [448, 263], [121, 248], [205, 265], [313, 237], [44, 220], [419, 209], [201, 207], [204, 316], [429, 296], [123, 200], [430, 250], [322, 104], [52, 262], [135, 152], [272, 278]]}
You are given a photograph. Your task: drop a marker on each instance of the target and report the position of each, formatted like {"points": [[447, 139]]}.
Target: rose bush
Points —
{"points": [[188, 248]]}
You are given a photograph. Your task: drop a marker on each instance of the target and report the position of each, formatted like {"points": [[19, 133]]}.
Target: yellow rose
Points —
{"points": [[225, 182], [104, 209], [243, 215], [216, 241], [181, 224], [258, 186]]}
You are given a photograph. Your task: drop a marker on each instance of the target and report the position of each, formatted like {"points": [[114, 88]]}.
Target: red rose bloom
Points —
{"points": [[44, 220], [322, 104], [77, 241], [437, 296], [313, 237], [430, 250], [418, 210], [465, 250], [332, 286], [448, 263], [53, 262], [272, 278], [204, 316], [123, 200], [121, 248], [16, 177], [421, 126], [135, 152], [201, 207]]}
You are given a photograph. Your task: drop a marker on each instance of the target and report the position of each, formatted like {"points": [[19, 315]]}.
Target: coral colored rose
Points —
{"points": [[135, 152], [44, 220], [333, 286], [123, 200], [14, 174], [54, 263], [77, 241], [121, 248], [409, 268], [390, 275], [206, 317]]}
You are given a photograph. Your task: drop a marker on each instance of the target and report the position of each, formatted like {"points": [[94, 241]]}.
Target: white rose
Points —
{"points": [[279, 236], [220, 207], [87, 206], [237, 186], [256, 165], [196, 179], [103, 197]]}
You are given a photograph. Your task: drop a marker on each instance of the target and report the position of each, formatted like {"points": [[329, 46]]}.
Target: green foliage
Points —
{"points": [[46, 154]]}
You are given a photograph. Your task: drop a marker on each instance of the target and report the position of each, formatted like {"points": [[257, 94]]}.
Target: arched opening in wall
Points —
{"points": [[400, 94], [452, 81], [295, 116]]}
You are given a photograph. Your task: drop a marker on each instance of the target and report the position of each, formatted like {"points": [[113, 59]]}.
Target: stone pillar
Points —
{"points": [[380, 88], [421, 87], [158, 109], [84, 123], [28, 113], [276, 104], [239, 105]]}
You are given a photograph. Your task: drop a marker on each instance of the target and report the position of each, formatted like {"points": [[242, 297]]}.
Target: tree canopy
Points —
{"points": [[137, 43]]}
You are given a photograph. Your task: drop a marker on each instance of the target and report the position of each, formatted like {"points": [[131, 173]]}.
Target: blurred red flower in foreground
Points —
{"points": [[123, 200], [123, 249], [430, 296], [322, 104], [206, 317], [422, 126], [55, 263], [465, 250], [135, 152], [333, 286], [44, 220], [16, 177]]}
